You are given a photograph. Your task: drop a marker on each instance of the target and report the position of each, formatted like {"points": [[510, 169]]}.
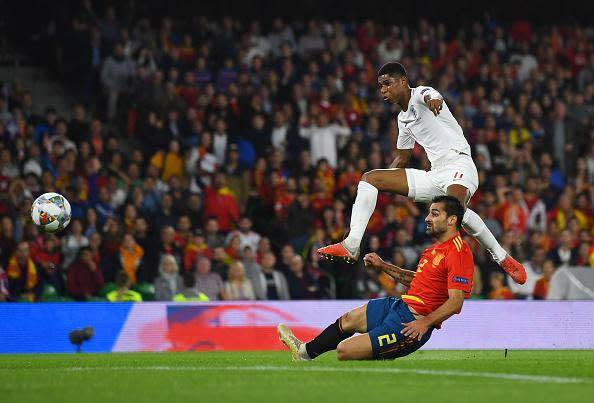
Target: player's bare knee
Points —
{"points": [[342, 352], [372, 178]]}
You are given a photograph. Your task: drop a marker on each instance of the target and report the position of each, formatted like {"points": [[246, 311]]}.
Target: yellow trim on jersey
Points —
{"points": [[413, 298], [458, 243]]}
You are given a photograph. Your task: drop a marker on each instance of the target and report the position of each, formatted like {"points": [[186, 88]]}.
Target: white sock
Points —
{"points": [[474, 225], [362, 211]]}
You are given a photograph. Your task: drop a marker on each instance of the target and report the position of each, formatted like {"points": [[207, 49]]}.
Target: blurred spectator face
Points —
{"points": [[7, 227], [322, 120], [539, 257], [220, 127], [249, 255], [303, 201], [220, 179], [184, 224], [61, 128], [95, 241], [104, 194], [22, 251], [279, 118], [496, 281], [296, 265], [258, 122], [374, 243], [212, 226], [268, 261], [236, 271], [245, 225], [77, 227], [167, 235], [203, 266], [399, 259], [264, 245], [118, 51], [401, 237], [287, 253], [565, 239], [140, 225], [128, 242], [548, 269], [86, 256], [167, 202], [169, 264]]}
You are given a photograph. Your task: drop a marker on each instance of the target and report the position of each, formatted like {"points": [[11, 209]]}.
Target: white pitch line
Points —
{"points": [[492, 375]]}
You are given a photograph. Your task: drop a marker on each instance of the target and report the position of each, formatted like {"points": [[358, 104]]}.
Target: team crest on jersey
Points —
{"points": [[413, 111], [437, 259]]}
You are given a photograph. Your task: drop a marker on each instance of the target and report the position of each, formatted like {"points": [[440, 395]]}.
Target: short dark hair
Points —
{"points": [[121, 279], [393, 69], [452, 206]]}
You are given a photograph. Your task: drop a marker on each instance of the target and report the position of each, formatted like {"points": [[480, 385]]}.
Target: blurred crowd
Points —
{"points": [[209, 159]]}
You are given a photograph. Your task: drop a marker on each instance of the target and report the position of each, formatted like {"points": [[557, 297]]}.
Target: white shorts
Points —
{"points": [[459, 169]]}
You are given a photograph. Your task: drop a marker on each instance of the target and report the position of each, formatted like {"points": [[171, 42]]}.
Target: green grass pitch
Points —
{"points": [[425, 376]]}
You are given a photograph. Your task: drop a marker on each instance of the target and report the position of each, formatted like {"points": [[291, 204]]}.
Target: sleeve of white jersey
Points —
{"points": [[424, 91], [405, 141]]}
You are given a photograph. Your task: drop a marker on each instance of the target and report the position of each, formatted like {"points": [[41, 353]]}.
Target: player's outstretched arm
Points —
{"points": [[417, 328], [402, 158], [403, 276]]}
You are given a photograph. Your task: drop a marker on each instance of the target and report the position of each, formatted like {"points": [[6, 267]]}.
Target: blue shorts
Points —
{"points": [[385, 318]]}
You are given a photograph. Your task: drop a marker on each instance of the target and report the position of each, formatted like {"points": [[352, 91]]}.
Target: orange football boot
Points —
{"points": [[515, 270], [338, 251]]}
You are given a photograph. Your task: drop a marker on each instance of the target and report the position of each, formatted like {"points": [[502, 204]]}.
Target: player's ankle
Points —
{"points": [[351, 244]]}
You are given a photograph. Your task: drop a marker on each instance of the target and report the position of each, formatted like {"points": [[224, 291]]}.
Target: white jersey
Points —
{"points": [[438, 135]]}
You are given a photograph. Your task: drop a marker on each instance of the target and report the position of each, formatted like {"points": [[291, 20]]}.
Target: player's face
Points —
{"points": [[436, 220], [391, 88]]}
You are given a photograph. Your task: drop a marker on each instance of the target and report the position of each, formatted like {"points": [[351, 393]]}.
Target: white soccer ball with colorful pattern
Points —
{"points": [[51, 212]]}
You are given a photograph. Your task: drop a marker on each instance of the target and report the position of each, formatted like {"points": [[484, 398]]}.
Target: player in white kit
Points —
{"points": [[426, 119]]}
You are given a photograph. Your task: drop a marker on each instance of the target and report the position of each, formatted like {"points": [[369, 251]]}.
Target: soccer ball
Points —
{"points": [[51, 212]]}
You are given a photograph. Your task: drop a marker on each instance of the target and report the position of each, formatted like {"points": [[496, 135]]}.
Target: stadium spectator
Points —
{"points": [[84, 276], [247, 236], [541, 288], [498, 288], [123, 293], [116, 75], [302, 285], [564, 255], [237, 286], [220, 203], [270, 284], [169, 281], [207, 282], [130, 255], [251, 267], [4, 291], [23, 275], [189, 291], [73, 242]]}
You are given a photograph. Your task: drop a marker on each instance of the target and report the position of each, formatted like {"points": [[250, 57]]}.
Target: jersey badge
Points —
{"points": [[437, 259], [461, 280]]}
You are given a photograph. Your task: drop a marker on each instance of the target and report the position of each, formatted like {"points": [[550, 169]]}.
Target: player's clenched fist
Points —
{"points": [[373, 260], [435, 105]]}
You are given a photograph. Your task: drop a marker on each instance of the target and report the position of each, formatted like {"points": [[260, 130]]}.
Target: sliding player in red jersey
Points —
{"points": [[424, 119], [394, 327]]}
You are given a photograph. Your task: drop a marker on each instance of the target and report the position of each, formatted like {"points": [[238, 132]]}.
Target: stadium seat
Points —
{"points": [[147, 290], [107, 288]]}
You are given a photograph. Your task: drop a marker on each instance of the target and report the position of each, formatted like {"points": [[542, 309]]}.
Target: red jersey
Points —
{"points": [[444, 266]]}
